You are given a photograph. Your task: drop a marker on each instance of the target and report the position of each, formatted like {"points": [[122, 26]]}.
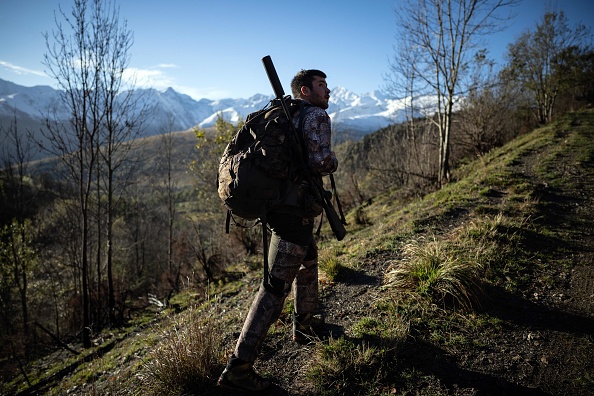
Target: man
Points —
{"points": [[293, 251]]}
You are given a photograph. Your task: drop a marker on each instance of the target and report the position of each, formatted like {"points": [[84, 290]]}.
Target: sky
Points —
{"points": [[212, 49]]}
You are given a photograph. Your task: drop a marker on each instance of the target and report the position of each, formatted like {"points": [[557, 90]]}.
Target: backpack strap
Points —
{"points": [[304, 171], [302, 113], [228, 221], [301, 116], [265, 250], [319, 230], [264, 241]]}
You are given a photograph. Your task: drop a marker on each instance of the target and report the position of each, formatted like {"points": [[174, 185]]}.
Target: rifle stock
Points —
{"points": [[336, 223]]}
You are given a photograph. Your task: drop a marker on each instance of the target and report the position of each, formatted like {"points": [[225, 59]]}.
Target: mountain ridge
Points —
{"points": [[353, 113]]}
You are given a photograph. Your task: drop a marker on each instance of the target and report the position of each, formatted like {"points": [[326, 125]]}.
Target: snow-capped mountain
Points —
{"points": [[362, 114], [352, 114]]}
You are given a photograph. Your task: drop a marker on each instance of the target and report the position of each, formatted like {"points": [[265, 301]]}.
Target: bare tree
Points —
{"points": [[125, 112], [71, 62], [485, 117], [87, 55], [210, 224], [437, 43], [17, 259], [539, 60], [167, 185]]}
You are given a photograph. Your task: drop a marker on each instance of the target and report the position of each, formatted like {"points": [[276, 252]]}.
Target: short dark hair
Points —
{"points": [[304, 79]]}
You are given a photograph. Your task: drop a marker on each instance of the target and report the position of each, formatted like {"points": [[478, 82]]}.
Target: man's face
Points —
{"points": [[319, 94]]}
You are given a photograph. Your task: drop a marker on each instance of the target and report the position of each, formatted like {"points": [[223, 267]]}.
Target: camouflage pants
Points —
{"points": [[292, 266]]}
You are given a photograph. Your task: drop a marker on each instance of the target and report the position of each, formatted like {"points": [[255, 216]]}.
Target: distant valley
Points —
{"points": [[353, 115]]}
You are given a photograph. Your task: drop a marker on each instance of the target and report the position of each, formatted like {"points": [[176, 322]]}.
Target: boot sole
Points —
{"points": [[229, 385]]}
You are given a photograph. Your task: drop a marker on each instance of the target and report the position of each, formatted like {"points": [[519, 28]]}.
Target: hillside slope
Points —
{"points": [[535, 333], [523, 212]]}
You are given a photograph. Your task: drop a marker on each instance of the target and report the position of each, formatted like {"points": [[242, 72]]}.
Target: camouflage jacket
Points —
{"points": [[317, 134], [321, 159]]}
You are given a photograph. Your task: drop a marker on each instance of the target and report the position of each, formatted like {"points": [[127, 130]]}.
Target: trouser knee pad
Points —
{"points": [[277, 286]]}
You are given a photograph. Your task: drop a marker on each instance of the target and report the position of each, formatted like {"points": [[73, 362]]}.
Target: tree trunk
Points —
{"points": [[86, 330], [111, 292]]}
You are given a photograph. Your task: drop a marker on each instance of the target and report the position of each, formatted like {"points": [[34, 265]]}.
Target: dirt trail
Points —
{"points": [[546, 344]]}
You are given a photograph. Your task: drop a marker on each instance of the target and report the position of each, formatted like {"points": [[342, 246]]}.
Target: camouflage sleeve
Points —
{"points": [[317, 136]]}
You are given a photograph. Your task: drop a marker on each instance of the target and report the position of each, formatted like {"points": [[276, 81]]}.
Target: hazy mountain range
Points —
{"points": [[352, 114]]}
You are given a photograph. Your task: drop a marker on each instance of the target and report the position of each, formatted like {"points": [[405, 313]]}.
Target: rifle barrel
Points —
{"points": [[273, 77]]}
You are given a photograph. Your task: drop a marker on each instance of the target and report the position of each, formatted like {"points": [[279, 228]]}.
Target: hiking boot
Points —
{"points": [[307, 327], [242, 377]]}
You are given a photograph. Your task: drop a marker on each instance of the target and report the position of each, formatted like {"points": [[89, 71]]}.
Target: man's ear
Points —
{"points": [[304, 91]]}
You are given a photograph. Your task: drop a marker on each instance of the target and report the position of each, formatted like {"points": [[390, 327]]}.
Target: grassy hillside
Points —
{"points": [[484, 287], [149, 152]]}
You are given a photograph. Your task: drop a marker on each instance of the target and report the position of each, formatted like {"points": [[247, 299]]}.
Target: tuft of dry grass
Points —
{"points": [[451, 271], [184, 361], [435, 272]]}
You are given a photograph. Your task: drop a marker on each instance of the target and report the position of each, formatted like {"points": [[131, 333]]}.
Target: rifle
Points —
{"points": [[336, 223]]}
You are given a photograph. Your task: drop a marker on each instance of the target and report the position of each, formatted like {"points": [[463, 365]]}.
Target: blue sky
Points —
{"points": [[213, 49]]}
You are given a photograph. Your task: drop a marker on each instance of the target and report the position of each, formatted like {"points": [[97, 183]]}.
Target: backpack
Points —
{"points": [[256, 164], [257, 161]]}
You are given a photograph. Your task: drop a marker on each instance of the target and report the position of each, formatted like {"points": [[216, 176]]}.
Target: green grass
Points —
{"points": [[330, 263], [345, 366]]}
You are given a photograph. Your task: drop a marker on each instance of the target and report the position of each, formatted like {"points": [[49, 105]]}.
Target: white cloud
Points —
{"points": [[148, 78], [167, 66], [157, 77], [21, 70], [212, 93]]}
